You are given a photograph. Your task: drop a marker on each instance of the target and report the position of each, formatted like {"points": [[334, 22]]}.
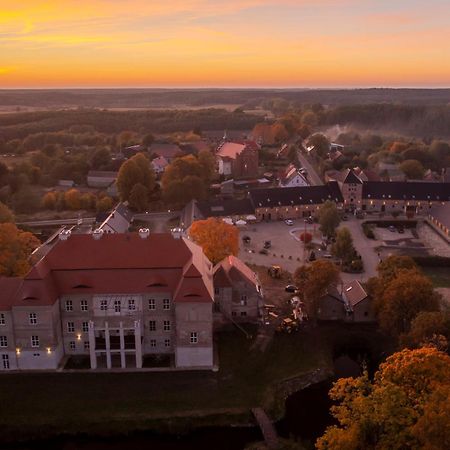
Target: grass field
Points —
{"points": [[45, 403], [440, 276]]}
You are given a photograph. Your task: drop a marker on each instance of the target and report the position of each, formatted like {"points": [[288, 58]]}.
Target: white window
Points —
{"points": [[33, 318], [166, 342], [72, 345], [243, 300], [131, 304], [152, 325], [151, 304], [166, 325], [117, 306], [103, 305], [5, 361], [3, 341], [84, 305], [152, 342], [166, 303], [35, 341], [86, 345], [194, 337], [71, 327], [85, 327], [69, 305], [2, 319]]}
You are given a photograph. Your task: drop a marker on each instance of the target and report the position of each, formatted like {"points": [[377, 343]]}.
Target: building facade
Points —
{"points": [[239, 160], [113, 297], [237, 291]]}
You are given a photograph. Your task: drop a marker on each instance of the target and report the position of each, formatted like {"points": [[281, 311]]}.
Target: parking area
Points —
{"points": [[285, 250]]}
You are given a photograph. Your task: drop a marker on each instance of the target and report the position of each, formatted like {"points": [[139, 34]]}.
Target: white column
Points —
{"points": [[123, 363], [138, 343], [108, 347], [92, 354]]}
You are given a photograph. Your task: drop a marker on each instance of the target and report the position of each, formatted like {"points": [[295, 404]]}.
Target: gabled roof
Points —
{"points": [[167, 150], [289, 174], [114, 263], [225, 207], [406, 190], [302, 195], [230, 150], [160, 162], [351, 178], [102, 174], [354, 293], [234, 269]]}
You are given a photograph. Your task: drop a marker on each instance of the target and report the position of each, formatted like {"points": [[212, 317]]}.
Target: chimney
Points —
{"points": [[144, 233], [64, 235], [177, 233], [97, 234]]}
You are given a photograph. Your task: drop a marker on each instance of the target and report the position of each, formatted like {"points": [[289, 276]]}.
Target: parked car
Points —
{"points": [[309, 220], [291, 288], [289, 222], [344, 217], [263, 251], [400, 229], [267, 244], [392, 229], [246, 239]]}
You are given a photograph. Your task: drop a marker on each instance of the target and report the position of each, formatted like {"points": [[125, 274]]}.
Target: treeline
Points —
{"points": [[419, 120], [20, 125], [170, 98]]}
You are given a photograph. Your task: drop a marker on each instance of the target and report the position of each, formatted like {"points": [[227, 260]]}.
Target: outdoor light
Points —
{"points": [[79, 337], [49, 350], [17, 351]]}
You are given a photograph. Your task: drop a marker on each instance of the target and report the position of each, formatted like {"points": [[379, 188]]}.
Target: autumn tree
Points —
{"points": [[402, 299], [16, 247], [413, 169], [49, 200], [72, 199], [310, 119], [207, 163], [100, 158], [343, 247], [405, 406], [88, 201], [314, 280], [429, 328], [137, 170], [389, 267], [104, 204], [217, 238], [6, 214], [320, 143], [186, 178], [138, 199], [329, 218]]}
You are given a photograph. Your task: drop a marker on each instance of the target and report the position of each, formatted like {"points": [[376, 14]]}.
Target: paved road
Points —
{"points": [[365, 247], [313, 177], [45, 223]]}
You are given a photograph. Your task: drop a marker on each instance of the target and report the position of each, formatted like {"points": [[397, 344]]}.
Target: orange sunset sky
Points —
{"points": [[224, 43]]}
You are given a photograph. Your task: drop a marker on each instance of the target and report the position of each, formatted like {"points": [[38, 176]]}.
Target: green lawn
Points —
{"points": [[104, 402], [440, 276]]}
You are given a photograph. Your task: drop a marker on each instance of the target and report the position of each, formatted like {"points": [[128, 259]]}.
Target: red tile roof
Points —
{"points": [[114, 263]]}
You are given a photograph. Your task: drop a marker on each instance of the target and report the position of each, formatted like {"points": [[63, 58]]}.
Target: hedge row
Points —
{"points": [[432, 261]]}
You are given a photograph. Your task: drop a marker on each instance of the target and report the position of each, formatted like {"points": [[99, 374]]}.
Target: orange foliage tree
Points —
{"points": [[217, 238], [16, 247], [406, 405], [72, 199]]}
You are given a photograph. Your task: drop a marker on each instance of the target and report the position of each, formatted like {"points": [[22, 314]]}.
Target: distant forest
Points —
{"points": [[248, 98]]}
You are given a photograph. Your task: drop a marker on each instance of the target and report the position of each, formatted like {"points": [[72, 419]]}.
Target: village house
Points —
{"points": [[237, 291], [168, 151], [292, 177], [293, 203], [114, 298], [118, 221], [101, 178], [351, 303], [159, 164], [238, 160]]}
